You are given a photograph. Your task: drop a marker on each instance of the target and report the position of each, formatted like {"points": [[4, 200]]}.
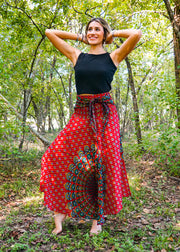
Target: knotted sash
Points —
{"points": [[90, 103]]}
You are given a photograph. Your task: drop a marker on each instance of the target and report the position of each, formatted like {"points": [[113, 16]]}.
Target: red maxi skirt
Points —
{"points": [[83, 172]]}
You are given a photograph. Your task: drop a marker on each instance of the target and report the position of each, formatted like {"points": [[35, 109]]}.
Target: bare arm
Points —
{"points": [[133, 36], [57, 39]]}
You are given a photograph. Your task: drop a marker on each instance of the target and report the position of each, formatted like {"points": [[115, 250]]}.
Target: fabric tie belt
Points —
{"points": [[90, 103]]}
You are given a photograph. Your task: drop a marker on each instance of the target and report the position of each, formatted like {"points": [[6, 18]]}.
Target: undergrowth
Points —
{"points": [[147, 222], [161, 146]]}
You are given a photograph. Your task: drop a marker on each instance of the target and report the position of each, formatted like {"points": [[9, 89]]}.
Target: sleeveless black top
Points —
{"points": [[94, 73]]}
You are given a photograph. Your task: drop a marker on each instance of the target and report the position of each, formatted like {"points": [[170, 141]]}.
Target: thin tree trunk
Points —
{"points": [[61, 114], [48, 107], [48, 96], [26, 103], [117, 95], [39, 115], [135, 104], [125, 112], [70, 95]]}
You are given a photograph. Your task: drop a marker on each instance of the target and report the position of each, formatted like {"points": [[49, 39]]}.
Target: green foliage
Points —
{"points": [[13, 152], [9, 128], [27, 225], [163, 145], [19, 247], [168, 151], [27, 71]]}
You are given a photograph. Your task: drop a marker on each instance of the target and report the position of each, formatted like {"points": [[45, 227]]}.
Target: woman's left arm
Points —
{"points": [[133, 36]]}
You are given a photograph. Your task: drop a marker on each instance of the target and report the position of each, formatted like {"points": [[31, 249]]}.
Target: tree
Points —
{"points": [[37, 80], [174, 17]]}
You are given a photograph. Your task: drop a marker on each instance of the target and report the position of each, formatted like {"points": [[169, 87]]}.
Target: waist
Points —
{"points": [[90, 102], [86, 99]]}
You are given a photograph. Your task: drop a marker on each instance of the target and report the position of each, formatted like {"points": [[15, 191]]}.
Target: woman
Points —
{"points": [[83, 172]]}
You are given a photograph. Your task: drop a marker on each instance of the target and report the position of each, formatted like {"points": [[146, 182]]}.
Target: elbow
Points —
{"points": [[47, 32], [138, 33]]}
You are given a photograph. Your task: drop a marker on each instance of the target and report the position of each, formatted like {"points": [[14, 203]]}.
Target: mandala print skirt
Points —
{"points": [[83, 172]]}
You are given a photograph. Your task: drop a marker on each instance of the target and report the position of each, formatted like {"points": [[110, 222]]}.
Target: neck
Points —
{"points": [[96, 49]]}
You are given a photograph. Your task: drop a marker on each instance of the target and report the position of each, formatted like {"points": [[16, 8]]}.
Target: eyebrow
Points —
{"points": [[95, 26]]}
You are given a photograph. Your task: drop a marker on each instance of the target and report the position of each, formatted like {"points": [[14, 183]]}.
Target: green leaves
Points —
{"points": [[27, 58]]}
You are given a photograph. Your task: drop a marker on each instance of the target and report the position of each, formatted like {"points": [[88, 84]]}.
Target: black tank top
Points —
{"points": [[94, 73]]}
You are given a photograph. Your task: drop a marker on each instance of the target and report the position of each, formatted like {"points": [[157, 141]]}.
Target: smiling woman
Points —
{"points": [[83, 172], [97, 28]]}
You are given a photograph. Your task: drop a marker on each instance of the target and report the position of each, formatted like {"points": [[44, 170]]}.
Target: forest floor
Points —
{"points": [[149, 221]]}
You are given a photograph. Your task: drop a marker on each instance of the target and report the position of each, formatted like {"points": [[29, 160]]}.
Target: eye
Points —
{"points": [[90, 29], [97, 29]]}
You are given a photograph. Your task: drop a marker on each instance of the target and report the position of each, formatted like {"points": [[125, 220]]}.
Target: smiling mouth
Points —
{"points": [[92, 37]]}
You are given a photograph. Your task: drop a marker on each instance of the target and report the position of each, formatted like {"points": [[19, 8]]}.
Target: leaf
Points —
{"points": [[170, 239], [111, 249], [137, 216], [15, 234], [55, 246], [157, 225], [138, 189], [81, 222], [144, 222], [146, 210], [151, 234]]}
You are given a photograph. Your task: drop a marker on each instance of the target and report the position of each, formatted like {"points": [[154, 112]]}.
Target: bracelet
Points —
{"points": [[113, 33], [77, 37]]}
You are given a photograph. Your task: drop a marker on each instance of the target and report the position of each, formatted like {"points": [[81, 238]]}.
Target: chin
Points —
{"points": [[94, 43]]}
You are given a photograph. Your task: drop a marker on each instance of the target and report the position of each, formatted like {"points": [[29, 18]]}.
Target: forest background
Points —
{"points": [[37, 88]]}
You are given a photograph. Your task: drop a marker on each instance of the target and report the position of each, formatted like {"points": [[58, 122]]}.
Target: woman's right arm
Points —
{"points": [[57, 39]]}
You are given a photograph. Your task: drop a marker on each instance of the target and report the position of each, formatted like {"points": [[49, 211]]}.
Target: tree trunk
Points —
{"points": [[48, 106], [38, 110], [177, 60], [125, 112], [175, 21], [26, 103], [61, 115], [117, 95], [135, 104], [70, 95], [49, 96]]}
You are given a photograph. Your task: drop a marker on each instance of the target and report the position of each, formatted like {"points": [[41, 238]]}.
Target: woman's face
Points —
{"points": [[95, 33]]}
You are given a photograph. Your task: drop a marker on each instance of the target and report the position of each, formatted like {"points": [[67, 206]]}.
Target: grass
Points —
{"points": [[148, 221]]}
